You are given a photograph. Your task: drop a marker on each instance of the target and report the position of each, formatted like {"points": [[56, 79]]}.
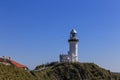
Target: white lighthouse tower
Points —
{"points": [[73, 46], [72, 55]]}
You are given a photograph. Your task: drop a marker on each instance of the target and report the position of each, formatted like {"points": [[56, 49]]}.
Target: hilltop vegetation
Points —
{"points": [[13, 73], [58, 71], [74, 71]]}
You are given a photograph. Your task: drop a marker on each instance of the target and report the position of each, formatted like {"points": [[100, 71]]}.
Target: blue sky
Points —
{"points": [[33, 32]]}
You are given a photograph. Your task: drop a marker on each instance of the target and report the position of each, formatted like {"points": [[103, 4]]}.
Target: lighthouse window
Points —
{"points": [[73, 35]]}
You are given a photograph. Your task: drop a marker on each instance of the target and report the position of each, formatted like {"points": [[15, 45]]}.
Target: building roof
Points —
{"points": [[12, 62], [73, 31], [1, 60], [17, 64]]}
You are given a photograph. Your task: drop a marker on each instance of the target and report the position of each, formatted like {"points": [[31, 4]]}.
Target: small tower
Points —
{"points": [[73, 46]]}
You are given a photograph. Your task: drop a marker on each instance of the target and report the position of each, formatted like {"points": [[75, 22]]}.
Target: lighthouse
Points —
{"points": [[73, 46], [72, 55]]}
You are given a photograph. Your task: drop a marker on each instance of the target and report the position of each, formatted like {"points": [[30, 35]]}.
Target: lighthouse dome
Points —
{"points": [[73, 36], [73, 31]]}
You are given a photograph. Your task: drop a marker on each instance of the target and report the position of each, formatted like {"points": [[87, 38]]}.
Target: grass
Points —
{"points": [[76, 71]]}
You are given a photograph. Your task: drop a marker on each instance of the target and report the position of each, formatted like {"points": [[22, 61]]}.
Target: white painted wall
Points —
{"points": [[73, 50]]}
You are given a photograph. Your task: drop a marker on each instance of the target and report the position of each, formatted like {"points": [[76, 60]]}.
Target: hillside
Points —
{"points": [[13, 73], [58, 71], [74, 71]]}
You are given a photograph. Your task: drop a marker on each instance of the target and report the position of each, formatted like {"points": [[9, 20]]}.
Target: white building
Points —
{"points": [[72, 55]]}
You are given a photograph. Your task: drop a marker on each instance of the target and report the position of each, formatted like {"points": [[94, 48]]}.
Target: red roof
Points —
{"points": [[12, 63], [17, 64], [1, 59]]}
